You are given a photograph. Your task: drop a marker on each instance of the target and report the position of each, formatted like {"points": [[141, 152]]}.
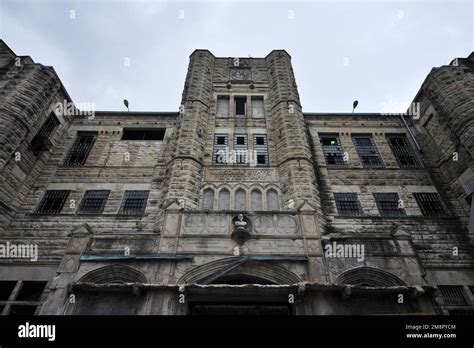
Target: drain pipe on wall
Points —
{"points": [[402, 117]]}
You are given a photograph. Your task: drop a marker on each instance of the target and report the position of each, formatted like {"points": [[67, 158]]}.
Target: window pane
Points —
{"points": [[257, 107], [240, 106], [222, 106]]}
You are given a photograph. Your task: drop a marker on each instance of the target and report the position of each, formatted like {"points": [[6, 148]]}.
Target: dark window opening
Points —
{"points": [[81, 148], [134, 203], [240, 106], [260, 140], [332, 150], [6, 288], [367, 151], [49, 126], [431, 205], [42, 141], [93, 202], [240, 141], [403, 151], [221, 140], [388, 204], [348, 204], [52, 202], [22, 310], [143, 134], [261, 159], [31, 291]]}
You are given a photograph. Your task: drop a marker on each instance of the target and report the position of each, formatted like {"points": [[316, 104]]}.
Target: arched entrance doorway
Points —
{"points": [[239, 286]]}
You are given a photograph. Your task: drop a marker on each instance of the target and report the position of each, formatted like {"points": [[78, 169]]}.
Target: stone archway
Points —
{"points": [[233, 268], [369, 276]]}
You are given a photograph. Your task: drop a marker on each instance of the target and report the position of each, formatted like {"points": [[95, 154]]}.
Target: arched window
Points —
{"points": [[224, 199], [272, 200], [240, 198], [208, 199], [256, 200]]}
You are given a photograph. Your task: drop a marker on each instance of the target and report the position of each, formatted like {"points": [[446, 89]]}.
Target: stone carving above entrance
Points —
{"points": [[224, 224]]}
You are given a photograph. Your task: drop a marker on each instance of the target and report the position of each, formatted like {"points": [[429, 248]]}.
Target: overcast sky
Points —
{"points": [[378, 52]]}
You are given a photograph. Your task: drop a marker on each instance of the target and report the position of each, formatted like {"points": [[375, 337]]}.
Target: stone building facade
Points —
{"points": [[238, 203]]}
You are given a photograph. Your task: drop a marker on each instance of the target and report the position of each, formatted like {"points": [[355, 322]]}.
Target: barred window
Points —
{"points": [[403, 151], [81, 148], [453, 295], [260, 148], [388, 204], [52, 202], [367, 151], [49, 126], [240, 148], [134, 203], [348, 204], [220, 149], [431, 204], [20, 298], [332, 149], [41, 141], [93, 202]]}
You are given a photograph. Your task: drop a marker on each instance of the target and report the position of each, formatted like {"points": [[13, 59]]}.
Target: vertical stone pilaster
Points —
{"points": [[78, 243], [185, 169]]}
